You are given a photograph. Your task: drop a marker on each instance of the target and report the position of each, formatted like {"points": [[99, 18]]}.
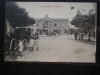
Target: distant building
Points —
{"points": [[48, 25]]}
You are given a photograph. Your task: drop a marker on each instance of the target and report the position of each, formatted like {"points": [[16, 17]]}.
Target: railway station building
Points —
{"points": [[48, 24]]}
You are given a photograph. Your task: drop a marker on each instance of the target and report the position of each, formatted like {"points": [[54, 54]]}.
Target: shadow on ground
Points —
{"points": [[87, 42], [92, 42]]}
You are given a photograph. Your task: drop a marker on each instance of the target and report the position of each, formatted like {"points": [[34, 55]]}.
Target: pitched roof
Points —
{"points": [[60, 20], [54, 20]]}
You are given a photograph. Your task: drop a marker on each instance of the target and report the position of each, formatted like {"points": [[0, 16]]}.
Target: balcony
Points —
{"points": [[46, 26]]}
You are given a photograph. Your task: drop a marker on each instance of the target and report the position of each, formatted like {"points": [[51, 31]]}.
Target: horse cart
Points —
{"points": [[12, 41]]}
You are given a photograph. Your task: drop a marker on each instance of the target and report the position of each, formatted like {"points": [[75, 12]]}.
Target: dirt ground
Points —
{"points": [[59, 49]]}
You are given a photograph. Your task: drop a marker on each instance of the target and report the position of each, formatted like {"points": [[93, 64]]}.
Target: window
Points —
{"points": [[45, 22], [59, 30], [55, 24], [60, 23], [37, 24], [64, 30]]}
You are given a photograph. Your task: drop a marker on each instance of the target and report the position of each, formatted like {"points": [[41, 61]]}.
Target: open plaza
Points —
{"points": [[60, 48]]}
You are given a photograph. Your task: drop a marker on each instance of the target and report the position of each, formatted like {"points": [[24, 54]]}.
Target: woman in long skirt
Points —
{"points": [[36, 44], [21, 47], [31, 43]]}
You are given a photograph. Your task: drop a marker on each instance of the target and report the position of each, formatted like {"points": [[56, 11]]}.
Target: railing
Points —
{"points": [[46, 26]]}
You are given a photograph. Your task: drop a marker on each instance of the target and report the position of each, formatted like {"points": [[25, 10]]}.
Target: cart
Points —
{"points": [[12, 41]]}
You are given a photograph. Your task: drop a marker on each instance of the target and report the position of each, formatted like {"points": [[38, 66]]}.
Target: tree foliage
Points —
{"points": [[80, 19], [77, 20], [91, 19], [17, 16]]}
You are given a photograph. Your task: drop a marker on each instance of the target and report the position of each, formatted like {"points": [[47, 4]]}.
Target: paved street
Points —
{"points": [[60, 49]]}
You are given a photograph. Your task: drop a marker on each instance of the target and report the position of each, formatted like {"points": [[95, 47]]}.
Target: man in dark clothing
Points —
{"points": [[76, 34]]}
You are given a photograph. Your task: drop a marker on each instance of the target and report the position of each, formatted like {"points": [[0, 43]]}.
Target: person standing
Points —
{"points": [[36, 38], [76, 34], [31, 44], [24, 44], [21, 47], [89, 35], [67, 33]]}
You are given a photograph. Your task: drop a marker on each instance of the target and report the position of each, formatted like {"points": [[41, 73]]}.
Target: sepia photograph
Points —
{"points": [[50, 32]]}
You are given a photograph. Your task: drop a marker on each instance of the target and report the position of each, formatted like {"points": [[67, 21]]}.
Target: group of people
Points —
{"points": [[80, 34], [33, 43]]}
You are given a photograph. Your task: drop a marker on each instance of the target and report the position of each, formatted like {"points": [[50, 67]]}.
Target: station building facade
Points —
{"points": [[48, 25]]}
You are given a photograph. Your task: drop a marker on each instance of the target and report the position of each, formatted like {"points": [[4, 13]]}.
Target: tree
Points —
{"points": [[80, 19], [17, 16], [91, 19], [31, 21], [86, 22]]}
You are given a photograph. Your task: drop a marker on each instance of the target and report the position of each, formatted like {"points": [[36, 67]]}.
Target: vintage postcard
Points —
{"points": [[50, 32]]}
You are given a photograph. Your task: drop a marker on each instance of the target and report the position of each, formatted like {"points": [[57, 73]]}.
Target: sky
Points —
{"points": [[55, 9]]}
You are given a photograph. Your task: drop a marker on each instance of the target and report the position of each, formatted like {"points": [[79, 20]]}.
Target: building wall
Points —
{"points": [[9, 28], [50, 25]]}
